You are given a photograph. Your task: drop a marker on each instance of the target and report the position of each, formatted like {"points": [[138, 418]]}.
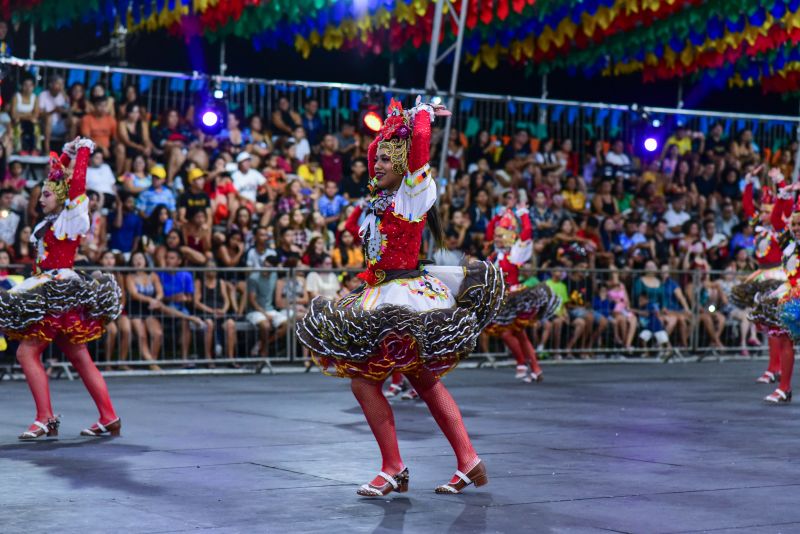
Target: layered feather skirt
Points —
{"points": [[762, 293], [60, 303], [523, 306], [406, 325]]}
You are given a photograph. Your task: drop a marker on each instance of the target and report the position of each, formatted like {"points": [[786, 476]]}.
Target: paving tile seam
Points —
{"points": [[624, 458], [193, 466], [294, 472]]}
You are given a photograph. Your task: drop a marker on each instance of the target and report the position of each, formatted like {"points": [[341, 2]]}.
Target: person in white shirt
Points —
{"points": [[100, 178], [727, 220], [712, 240], [675, 216], [54, 106], [302, 149], [617, 158], [9, 221], [247, 180], [324, 284], [450, 255]]}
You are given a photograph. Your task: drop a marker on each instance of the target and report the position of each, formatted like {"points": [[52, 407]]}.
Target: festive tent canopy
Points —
{"points": [[722, 42]]}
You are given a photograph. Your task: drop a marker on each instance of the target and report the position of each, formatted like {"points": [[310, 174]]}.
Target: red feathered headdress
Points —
{"points": [[58, 166]]}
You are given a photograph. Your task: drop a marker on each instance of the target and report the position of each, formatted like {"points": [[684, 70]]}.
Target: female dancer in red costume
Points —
{"points": [[57, 304], [510, 231], [419, 322], [770, 274], [788, 295]]}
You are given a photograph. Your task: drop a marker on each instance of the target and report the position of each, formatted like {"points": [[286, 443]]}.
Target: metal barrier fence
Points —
{"points": [[686, 314], [500, 115]]}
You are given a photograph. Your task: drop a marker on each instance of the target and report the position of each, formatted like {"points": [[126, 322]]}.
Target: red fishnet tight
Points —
{"points": [[78, 356], [447, 415], [774, 365], [380, 419], [787, 363], [29, 355], [444, 409]]}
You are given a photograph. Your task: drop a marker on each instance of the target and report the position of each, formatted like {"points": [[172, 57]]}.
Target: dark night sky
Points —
{"points": [[161, 51]]}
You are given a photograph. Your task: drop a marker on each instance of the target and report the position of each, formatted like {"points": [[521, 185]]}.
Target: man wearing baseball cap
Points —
{"points": [[195, 199], [157, 194]]}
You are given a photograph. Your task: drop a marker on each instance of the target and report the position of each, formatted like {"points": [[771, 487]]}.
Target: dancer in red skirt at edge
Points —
{"points": [[510, 231], [57, 304], [779, 308], [405, 318], [770, 274]]}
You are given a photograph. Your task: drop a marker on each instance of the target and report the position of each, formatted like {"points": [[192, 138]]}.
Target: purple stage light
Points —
{"points": [[210, 119], [650, 144]]}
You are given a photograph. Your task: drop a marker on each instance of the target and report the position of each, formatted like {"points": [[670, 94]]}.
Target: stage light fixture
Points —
{"points": [[211, 112], [210, 119], [371, 109], [651, 144], [372, 121]]}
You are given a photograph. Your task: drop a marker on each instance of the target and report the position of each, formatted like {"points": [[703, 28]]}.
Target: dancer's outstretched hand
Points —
{"points": [[440, 110]]}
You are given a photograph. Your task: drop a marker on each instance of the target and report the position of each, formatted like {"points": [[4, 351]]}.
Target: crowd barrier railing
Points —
{"points": [[207, 338], [500, 115]]}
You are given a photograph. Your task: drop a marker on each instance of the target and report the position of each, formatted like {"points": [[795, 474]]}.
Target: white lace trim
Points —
{"points": [[521, 252], [71, 148], [416, 195], [420, 108], [73, 221]]}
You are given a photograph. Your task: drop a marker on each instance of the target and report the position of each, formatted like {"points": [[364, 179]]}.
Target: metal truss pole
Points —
{"points": [[430, 82], [32, 42], [223, 67], [434, 59]]}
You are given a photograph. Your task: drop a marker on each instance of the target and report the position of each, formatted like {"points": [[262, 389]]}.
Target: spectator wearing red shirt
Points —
{"points": [[223, 195], [330, 159]]}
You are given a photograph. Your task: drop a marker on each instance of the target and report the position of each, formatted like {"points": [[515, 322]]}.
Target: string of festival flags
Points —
{"points": [[719, 42]]}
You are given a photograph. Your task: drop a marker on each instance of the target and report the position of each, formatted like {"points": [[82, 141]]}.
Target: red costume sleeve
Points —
{"points": [[77, 185], [421, 141], [527, 230], [489, 237], [781, 209], [747, 201], [351, 225]]}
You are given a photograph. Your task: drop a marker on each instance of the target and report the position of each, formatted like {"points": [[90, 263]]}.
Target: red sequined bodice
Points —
{"points": [[403, 242], [58, 253]]}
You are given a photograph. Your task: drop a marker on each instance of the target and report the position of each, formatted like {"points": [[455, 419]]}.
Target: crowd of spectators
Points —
{"points": [[275, 191]]}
